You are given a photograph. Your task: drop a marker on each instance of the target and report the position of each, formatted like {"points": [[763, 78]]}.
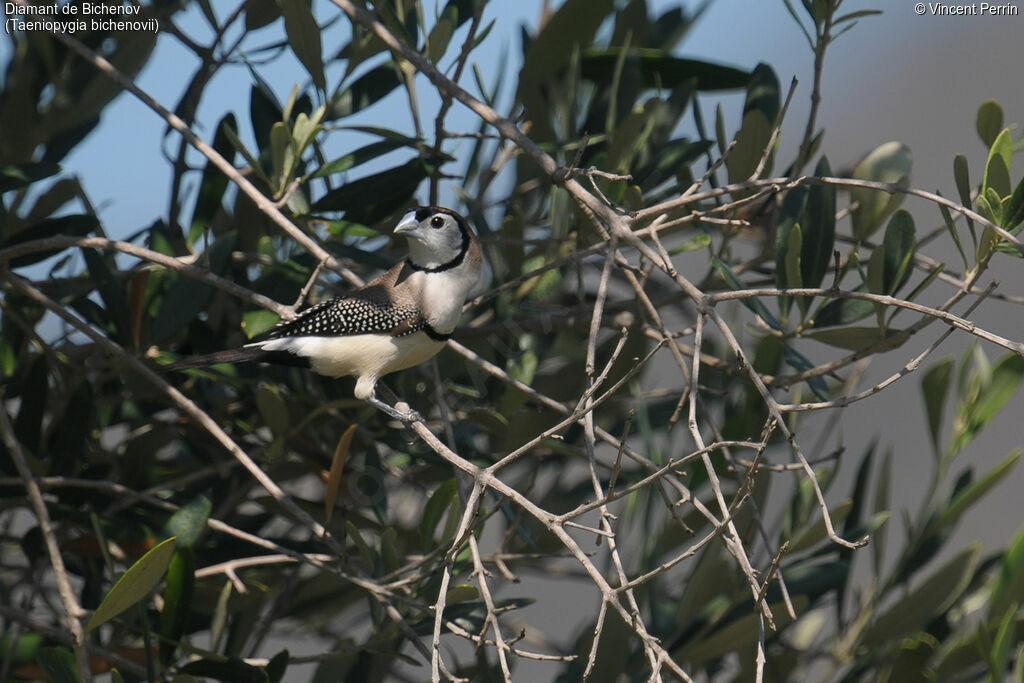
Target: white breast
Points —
{"points": [[366, 356]]}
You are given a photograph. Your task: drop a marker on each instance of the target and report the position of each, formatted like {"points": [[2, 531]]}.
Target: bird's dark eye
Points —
{"points": [[436, 222]]}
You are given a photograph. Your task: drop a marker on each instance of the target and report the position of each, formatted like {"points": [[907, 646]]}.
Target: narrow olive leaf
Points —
{"points": [[657, 68], [1005, 379], [997, 167], [857, 338], [989, 121], [219, 620], [260, 13], [181, 580], [817, 531], [819, 228], [875, 280], [754, 304], [365, 553], [337, 467], [281, 154], [135, 584], [304, 38], [258, 322], [935, 387], [1013, 216], [881, 504], [1009, 586], [972, 493], [76, 225], [25, 173], [900, 243], [233, 670], [214, 183], [793, 208], [953, 232], [692, 244], [273, 410], [189, 522], [365, 91], [800, 363], [739, 635], [934, 596], [58, 663], [843, 312], [890, 162], [362, 155], [1005, 636], [792, 265], [433, 511], [462, 593], [278, 666]]}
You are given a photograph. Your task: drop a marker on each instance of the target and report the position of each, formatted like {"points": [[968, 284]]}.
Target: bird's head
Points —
{"points": [[438, 237]]}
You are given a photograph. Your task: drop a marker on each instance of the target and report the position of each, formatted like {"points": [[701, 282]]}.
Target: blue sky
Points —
{"points": [[121, 165]]}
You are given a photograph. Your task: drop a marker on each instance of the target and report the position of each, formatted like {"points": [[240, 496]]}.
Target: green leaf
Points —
{"points": [[934, 596], [989, 122], [282, 154], [25, 173], [433, 511], [735, 284], [793, 209], [982, 407], [273, 410], [304, 38], [257, 322], [278, 666], [890, 162], [694, 243], [77, 226], [843, 312], [231, 670], [881, 504], [374, 197], [875, 280], [963, 186], [1013, 216], [214, 183], [972, 493], [900, 242], [659, 69], [181, 579], [819, 229], [189, 522], [58, 663], [953, 232], [997, 167], [260, 13], [817, 531], [800, 363], [135, 585], [362, 155], [935, 387], [1009, 586], [364, 92], [188, 296], [857, 338]]}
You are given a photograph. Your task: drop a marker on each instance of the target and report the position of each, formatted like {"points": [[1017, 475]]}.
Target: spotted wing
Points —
{"points": [[348, 316]]}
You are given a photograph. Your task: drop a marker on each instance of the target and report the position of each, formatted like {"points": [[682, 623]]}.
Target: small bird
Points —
{"points": [[400, 319]]}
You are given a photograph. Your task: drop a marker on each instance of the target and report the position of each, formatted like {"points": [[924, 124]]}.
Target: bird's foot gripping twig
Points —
{"points": [[408, 416]]}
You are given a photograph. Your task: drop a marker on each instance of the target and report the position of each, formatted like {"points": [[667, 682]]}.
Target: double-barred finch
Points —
{"points": [[396, 321]]}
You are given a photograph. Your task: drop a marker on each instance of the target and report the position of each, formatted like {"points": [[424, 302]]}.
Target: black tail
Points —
{"points": [[243, 355]]}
